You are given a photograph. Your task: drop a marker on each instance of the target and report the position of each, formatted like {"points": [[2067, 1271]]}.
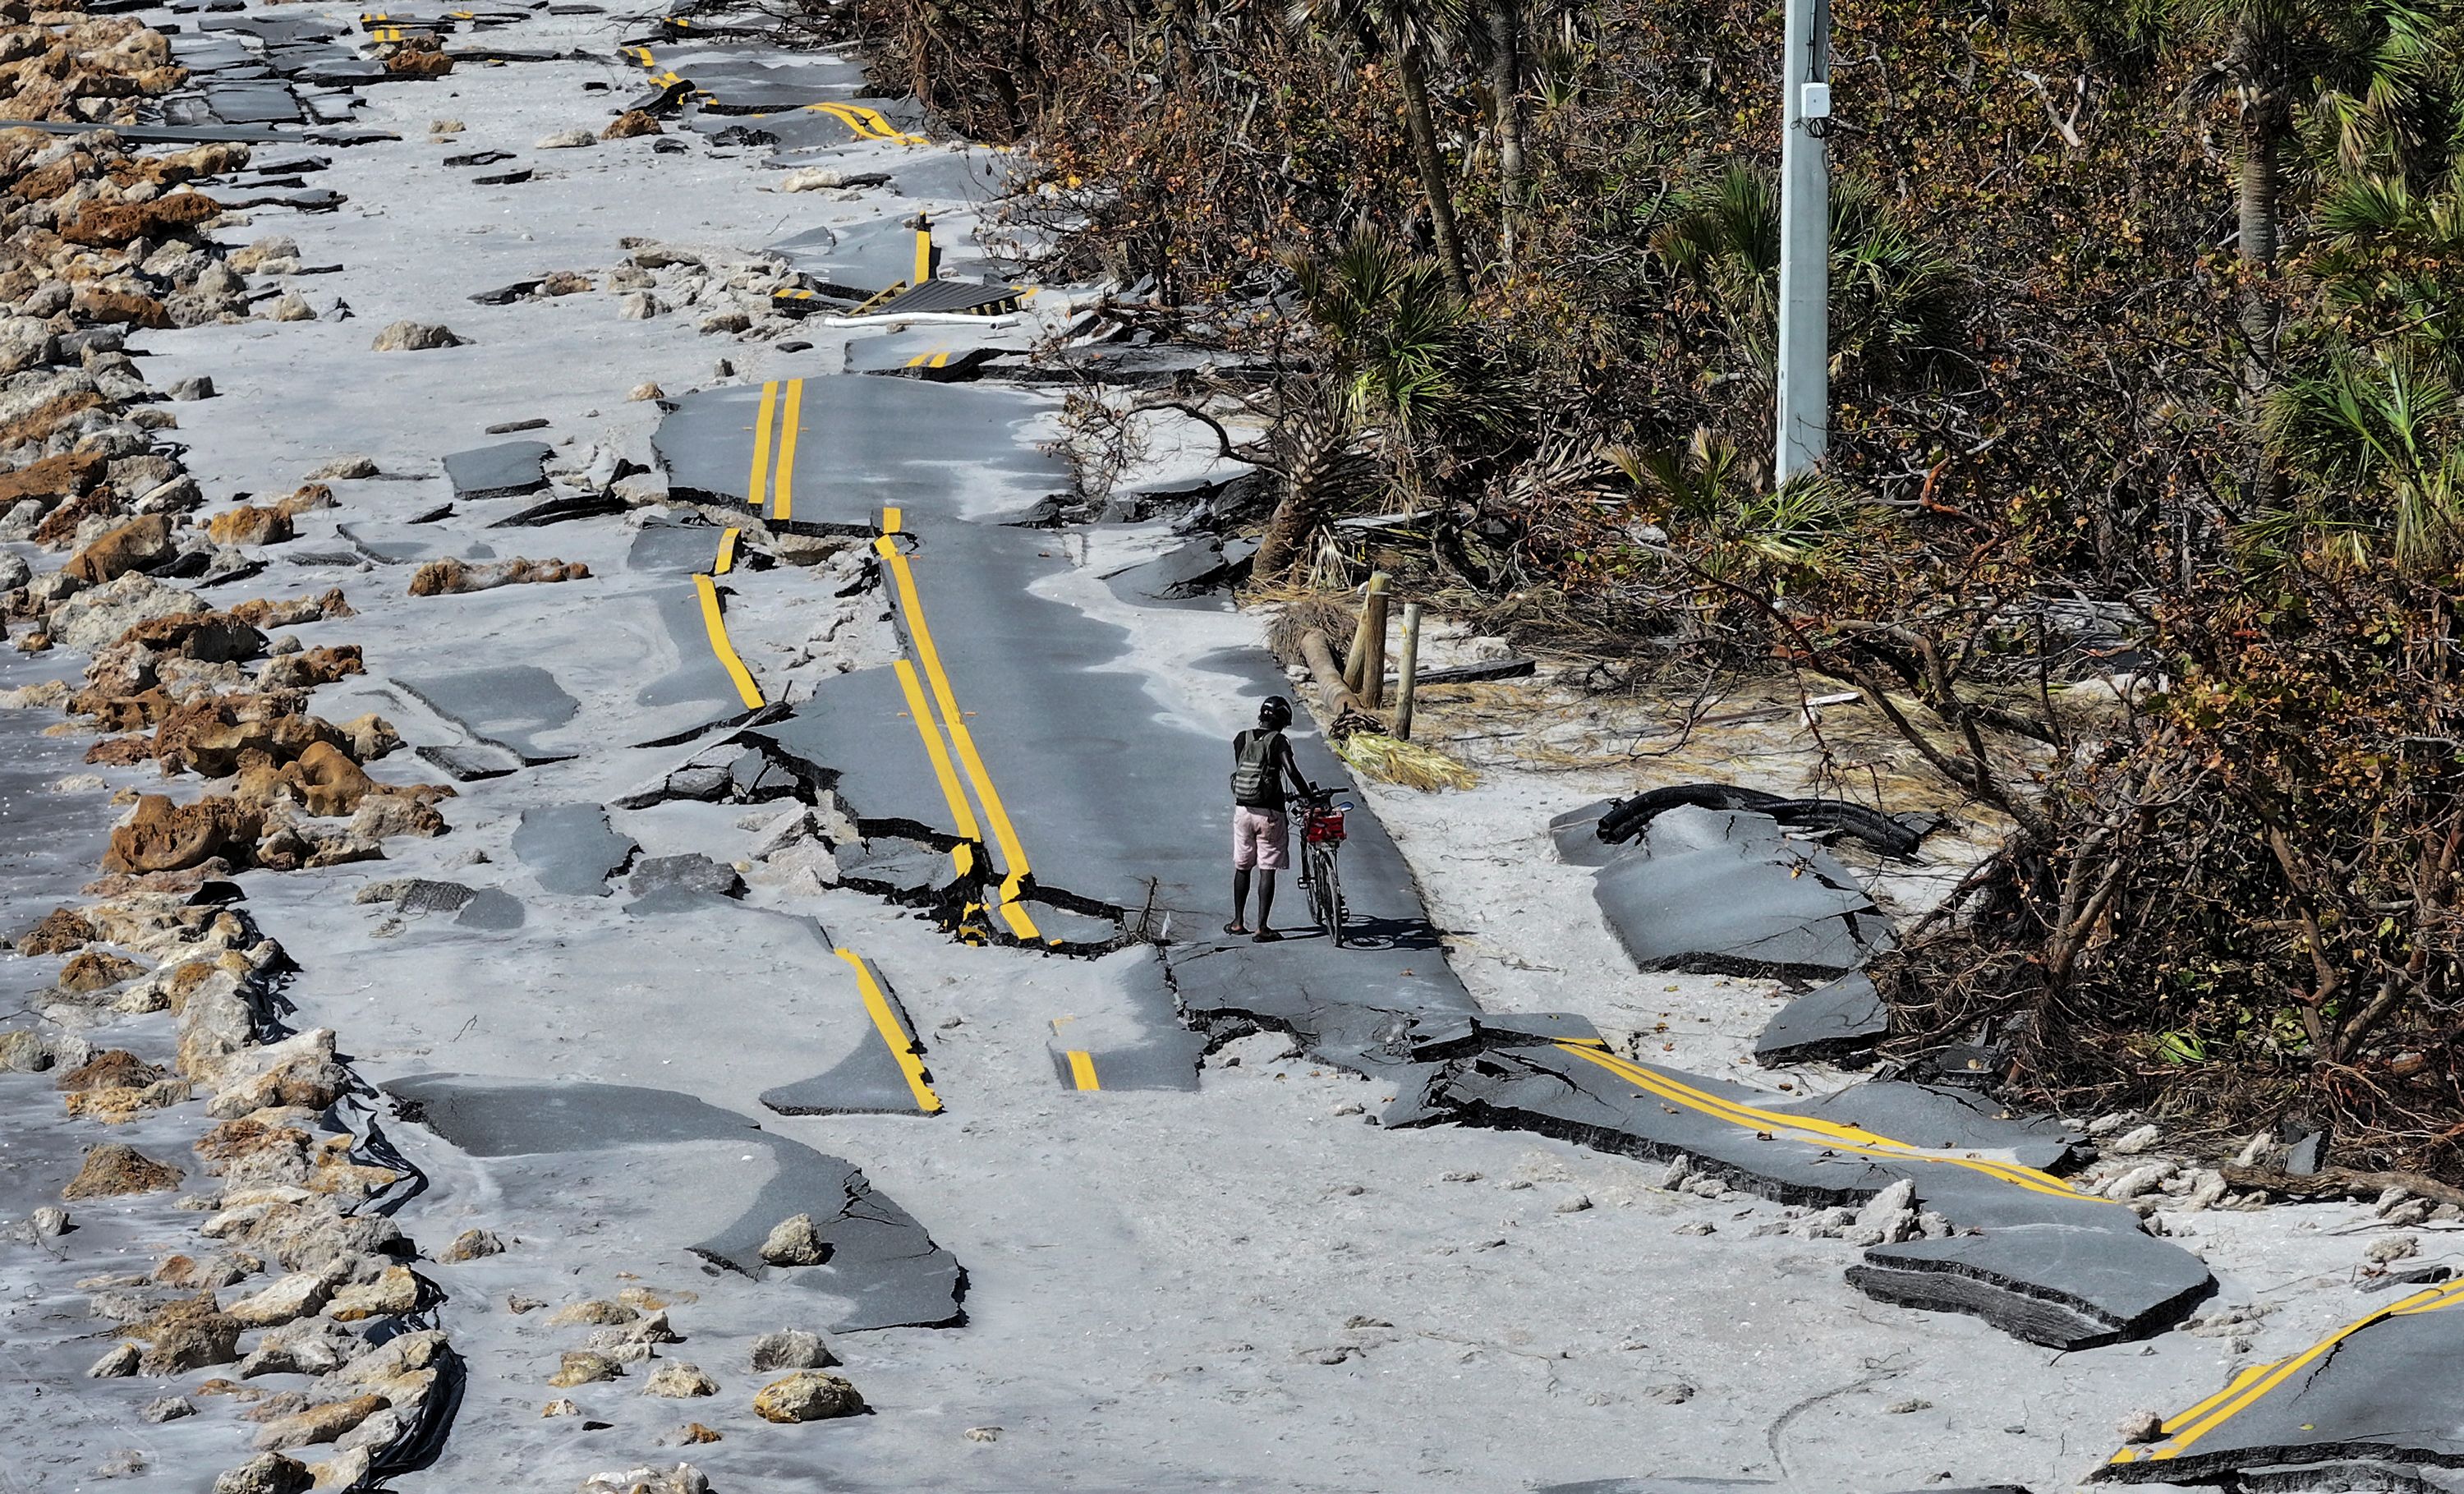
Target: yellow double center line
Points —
{"points": [[961, 748], [2247, 1387], [1819, 1133], [774, 459], [903, 1047], [868, 124], [717, 624]]}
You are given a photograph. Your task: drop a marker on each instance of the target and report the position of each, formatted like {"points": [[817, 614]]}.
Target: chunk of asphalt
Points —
{"points": [[2375, 1401], [882, 1263], [506, 470], [673, 548], [690, 872], [503, 178], [1576, 834], [509, 705], [1139, 1042], [1833, 1024], [559, 509], [492, 909], [699, 691], [1723, 891], [510, 426], [470, 763], [870, 1080], [479, 158], [2038, 1259], [571, 848]]}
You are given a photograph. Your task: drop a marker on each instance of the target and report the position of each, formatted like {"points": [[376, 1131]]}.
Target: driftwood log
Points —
{"points": [[2340, 1182]]}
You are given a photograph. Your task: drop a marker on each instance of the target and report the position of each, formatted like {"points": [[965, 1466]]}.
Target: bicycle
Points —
{"points": [[1321, 838]]}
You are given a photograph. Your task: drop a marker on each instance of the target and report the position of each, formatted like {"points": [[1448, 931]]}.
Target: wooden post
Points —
{"points": [[1411, 670], [1356, 657], [1373, 657]]}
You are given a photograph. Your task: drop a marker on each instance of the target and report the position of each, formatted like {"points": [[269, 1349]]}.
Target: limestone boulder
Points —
{"points": [[807, 1395]]}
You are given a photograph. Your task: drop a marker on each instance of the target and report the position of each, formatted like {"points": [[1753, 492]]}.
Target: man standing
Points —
{"points": [[1261, 760]]}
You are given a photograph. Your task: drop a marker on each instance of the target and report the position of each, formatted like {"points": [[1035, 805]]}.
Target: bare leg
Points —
{"points": [[1266, 902], [1240, 901]]}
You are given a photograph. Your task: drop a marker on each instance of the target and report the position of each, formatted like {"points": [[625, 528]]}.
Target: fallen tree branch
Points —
{"points": [[2340, 1182]]}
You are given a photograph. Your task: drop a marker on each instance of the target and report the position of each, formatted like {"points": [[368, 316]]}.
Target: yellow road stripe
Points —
{"points": [[923, 256], [719, 646], [1082, 1070], [902, 1043], [726, 561], [782, 493], [757, 487], [1014, 860], [891, 519], [1846, 1138], [963, 813], [2249, 1388]]}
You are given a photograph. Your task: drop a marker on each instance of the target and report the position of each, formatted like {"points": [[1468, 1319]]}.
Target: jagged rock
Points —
{"points": [[583, 1366], [394, 1292], [726, 322], [162, 836], [807, 1395], [249, 525], [112, 1169], [266, 1473], [647, 391], [171, 1408], [679, 1381], [471, 1244], [95, 970], [96, 618], [139, 545], [682, 1479], [414, 336], [597, 1311], [292, 306], [311, 1347], [448, 577], [118, 1363], [343, 468], [24, 1052], [380, 816], [322, 1423], [639, 306], [791, 1349], [61, 932], [565, 140], [630, 123], [188, 1334], [795, 1240], [692, 1434], [262, 252], [299, 1070], [290, 1298], [347, 1470], [191, 1274], [199, 387]]}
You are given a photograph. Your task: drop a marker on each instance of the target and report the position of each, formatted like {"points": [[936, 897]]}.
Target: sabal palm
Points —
{"points": [[2380, 442], [1408, 32]]}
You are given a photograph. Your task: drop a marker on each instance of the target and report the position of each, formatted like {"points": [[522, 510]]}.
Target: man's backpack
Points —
{"points": [[1253, 770]]}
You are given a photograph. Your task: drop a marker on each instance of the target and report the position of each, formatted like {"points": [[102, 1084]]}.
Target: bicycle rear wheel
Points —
{"points": [[1326, 896]]}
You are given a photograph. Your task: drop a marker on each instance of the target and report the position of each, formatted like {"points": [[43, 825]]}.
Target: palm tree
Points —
{"points": [[2274, 58], [1893, 297], [2379, 443], [1408, 32]]}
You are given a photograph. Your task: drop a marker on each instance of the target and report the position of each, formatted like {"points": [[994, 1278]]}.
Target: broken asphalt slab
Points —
{"points": [[571, 848], [2372, 1406], [880, 1261], [2031, 1255], [506, 470], [1833, 1024], [1723, 891]]}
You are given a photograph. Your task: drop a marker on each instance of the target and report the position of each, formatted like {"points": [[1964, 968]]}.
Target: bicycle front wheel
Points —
{"points": [[1326, 898]]}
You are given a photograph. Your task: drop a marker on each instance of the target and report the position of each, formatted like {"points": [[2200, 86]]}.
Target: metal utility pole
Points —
{"points": [[1804, 414]]}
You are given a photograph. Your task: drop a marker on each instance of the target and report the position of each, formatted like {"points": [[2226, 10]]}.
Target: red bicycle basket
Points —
{"points": [[1323, 826]]}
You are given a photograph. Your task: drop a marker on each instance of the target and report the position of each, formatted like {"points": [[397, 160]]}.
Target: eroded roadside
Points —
{"points": [[568, 1009]]}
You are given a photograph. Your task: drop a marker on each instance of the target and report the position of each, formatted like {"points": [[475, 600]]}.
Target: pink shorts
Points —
{"points": [[1260, 838]]}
